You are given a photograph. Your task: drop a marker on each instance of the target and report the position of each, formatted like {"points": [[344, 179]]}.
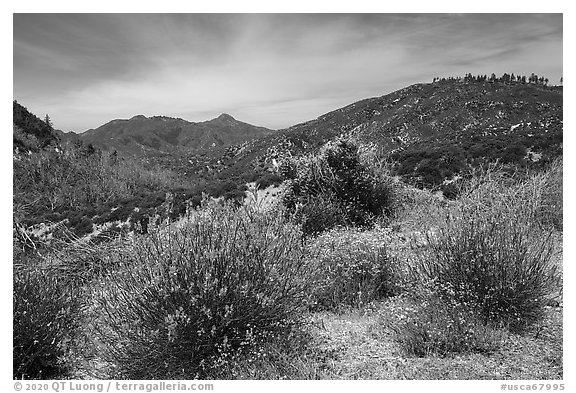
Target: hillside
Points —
{"points": [[430, 132], [30, 132], [142, 135]]}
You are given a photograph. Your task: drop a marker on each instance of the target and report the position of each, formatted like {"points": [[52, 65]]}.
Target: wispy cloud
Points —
{"points": [[272, 70]]}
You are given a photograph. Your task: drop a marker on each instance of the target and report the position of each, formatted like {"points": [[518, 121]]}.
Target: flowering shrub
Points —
{"points": [[549, 184], [319, 214], [426, 321], [191, 294], [45, 319], [493, 261], [334, 188], [354, 268]]}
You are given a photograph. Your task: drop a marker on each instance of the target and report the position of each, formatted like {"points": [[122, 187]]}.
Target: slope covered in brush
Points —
{"points": [[30, 132], [430, 132]]}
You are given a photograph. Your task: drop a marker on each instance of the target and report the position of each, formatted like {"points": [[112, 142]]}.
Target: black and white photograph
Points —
{"points": [[200, 197]]}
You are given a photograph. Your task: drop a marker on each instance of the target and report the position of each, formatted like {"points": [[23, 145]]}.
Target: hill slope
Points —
{"points": [[431, 132], [30, 132]]}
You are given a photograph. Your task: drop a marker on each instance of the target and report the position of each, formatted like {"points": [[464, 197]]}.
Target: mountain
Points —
{"points": [[160, 134], [429, 132]]}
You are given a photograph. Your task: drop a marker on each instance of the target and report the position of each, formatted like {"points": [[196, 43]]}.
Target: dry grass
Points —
{"points": [[357, 349]]}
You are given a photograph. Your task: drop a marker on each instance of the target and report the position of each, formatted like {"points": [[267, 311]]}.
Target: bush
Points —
{"points": [[495, 251], [430, 166], [495, 263], [450, 191], [548, 186], [45, 319], [194, 292], [221, 188], [80, 262], [83, 227], [268, 179], [354, 269], [426, 322], [335, 188], [319, 214], [236, 197]]}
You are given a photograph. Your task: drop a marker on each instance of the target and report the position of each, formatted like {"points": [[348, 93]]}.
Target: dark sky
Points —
{"points": [[273, 70]]}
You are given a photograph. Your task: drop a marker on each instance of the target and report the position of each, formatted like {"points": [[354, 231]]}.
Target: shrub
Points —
{"points": [[79, 262], [223, 187], [45, 319], [426, 322], [268, 179], [319, 214], [430, 166], [514, 153], [336, 181], [83, 227], [496, 248], [193, 292], [450, 191], [354, 269], [495, 263], [548, 187], [235, 196]]}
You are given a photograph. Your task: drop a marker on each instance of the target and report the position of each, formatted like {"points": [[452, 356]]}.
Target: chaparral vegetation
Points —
{"points": [[333, 255]]}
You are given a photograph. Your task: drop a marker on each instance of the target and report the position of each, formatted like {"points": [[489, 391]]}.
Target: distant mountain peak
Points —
{"points": [[225, 116], [141, 134]]}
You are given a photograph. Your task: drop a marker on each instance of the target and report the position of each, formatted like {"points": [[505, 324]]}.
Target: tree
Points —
{"points": [[90, 149], [48, 122]]}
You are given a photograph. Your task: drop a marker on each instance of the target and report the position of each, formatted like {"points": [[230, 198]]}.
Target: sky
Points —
{"points": [[272, 70]]}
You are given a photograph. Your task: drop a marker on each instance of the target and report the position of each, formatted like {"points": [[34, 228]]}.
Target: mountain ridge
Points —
{"points": [[141, 135]]}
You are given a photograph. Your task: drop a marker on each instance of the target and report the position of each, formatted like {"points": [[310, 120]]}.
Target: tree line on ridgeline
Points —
{"points": [[505, 78]]}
